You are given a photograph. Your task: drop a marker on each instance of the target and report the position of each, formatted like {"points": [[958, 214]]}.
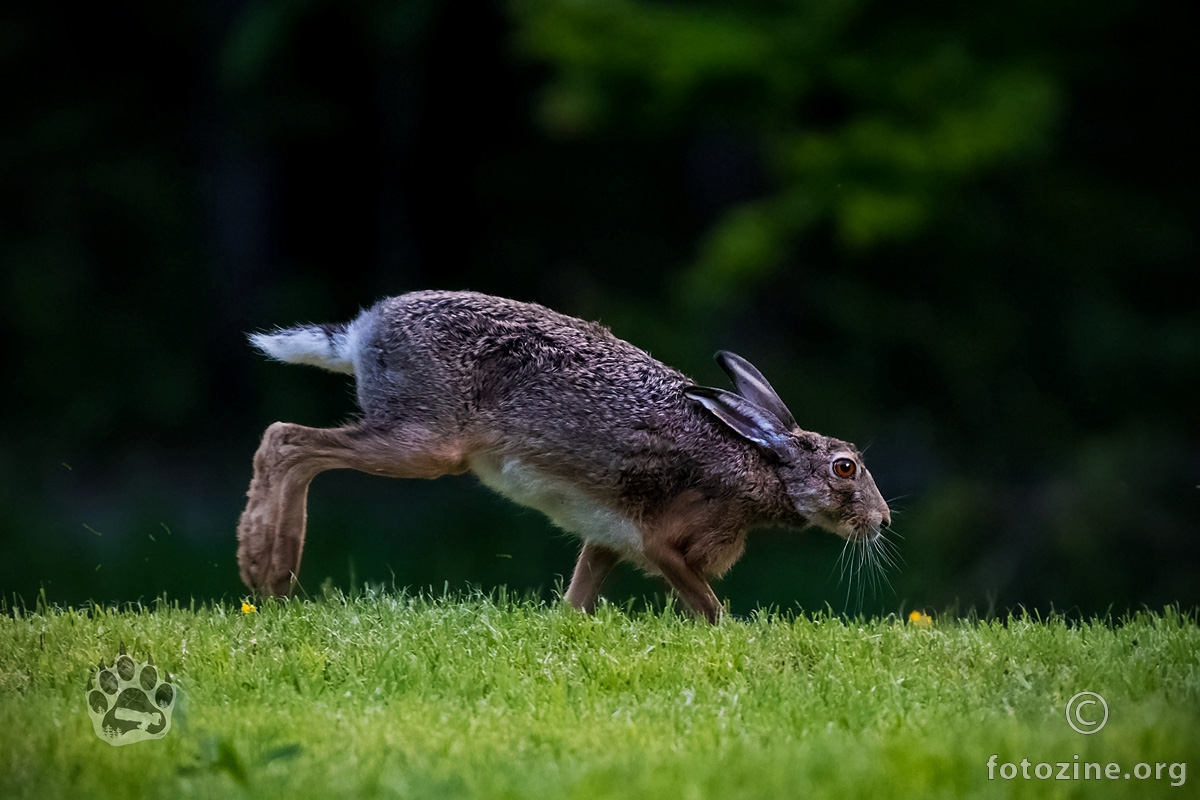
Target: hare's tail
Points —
{"points": [[330, 347]]}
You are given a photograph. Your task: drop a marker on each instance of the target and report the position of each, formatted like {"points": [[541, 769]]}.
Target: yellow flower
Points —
{"points": [[920, 618], [248, 608]]}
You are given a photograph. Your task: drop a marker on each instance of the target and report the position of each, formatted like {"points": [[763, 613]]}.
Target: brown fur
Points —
{"points": [[271, 529], [563, 416], [594, 563], [691, 539]]}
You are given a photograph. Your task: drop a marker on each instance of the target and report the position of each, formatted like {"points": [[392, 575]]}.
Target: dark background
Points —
{"points": [[961, 235]]}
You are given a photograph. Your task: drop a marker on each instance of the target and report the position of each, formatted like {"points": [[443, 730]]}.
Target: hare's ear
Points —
{"points": [[742, 417], [751, 385]]}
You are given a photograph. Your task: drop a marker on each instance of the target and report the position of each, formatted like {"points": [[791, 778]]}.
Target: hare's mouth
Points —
{"points": [[855, 532], [860, 531], [852, 532], [866, 534]]}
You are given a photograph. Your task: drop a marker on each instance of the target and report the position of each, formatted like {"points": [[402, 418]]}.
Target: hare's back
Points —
{"points": [[526, 380], [481, 354]]}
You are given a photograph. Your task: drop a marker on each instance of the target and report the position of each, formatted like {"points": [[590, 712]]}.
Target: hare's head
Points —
{"points": [[825, 478]]}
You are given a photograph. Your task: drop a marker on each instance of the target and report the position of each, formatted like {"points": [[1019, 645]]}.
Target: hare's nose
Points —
{"points": [[886, 522]]}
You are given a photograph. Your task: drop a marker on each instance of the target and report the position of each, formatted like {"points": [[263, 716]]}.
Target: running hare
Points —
{"points": [[559, 415]]}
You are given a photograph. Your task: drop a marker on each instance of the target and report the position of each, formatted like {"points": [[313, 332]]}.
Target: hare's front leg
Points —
{"points": [[688, 582], [673, 542], [271, 529], [593, 566]]}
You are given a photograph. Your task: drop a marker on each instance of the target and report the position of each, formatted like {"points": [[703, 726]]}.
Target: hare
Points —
{"points": [[560, 415]]}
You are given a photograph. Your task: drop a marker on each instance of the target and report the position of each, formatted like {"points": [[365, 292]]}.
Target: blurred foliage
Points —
{"points": [[871, 124], [962, 234]]}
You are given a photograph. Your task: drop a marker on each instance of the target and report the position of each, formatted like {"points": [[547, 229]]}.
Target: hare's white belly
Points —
{"points": [[566, 505]]}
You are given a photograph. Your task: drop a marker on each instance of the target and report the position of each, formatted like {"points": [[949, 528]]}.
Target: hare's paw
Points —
{"points": [[130, 701]]}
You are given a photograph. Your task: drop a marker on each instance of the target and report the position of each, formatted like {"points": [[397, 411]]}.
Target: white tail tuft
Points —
{"points": [[327, 347]]}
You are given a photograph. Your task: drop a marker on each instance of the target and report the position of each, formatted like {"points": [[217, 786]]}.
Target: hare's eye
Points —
{"points": [[844, 468]]}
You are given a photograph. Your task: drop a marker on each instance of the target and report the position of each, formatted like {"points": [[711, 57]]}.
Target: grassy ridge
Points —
{"points": [[390, 696]]}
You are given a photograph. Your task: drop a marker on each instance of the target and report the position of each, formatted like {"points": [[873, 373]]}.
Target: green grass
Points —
{"points": [[390, 696]]}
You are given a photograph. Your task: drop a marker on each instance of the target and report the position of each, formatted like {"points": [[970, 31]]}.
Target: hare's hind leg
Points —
{"points": [[593, 566], [271, 529]]}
